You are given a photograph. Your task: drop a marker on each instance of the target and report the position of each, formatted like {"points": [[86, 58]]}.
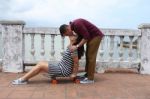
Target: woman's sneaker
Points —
{"points": [[86, 81], [19, 82]]}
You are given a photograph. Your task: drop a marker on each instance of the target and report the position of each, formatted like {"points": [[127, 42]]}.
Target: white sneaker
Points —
{"points": [[86, 81], [19, 82]]}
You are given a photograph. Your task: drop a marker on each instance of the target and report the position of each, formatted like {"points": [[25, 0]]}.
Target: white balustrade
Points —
{"points": [[107, 51], [14, 45], [107, 54]]}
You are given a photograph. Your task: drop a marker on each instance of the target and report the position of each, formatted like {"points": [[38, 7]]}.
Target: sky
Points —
{"points": [[125, 14]]}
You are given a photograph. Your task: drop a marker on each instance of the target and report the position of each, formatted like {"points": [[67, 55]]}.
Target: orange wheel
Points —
{"points": [[54, 81], [77, 81], [74, 79]]}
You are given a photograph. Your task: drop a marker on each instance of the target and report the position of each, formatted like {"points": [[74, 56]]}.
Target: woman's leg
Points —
{"points": [[42, 66]]}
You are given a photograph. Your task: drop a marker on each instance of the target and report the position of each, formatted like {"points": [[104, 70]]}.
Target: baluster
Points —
{"points": [[101, 52], [62, 45], [100, 68], [32, 47], [23, 47], [23, 50], [130, 48], [121, 49], [138, 48], [52, 47], [107, 47], [42, 46], [111, 52]]}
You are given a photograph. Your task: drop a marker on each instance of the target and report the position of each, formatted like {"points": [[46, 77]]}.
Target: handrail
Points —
{"points": [[106, 31]]}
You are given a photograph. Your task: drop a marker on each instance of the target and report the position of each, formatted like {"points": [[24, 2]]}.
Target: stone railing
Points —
{"points": [[26, 45], [116, 53], [42, 44]]}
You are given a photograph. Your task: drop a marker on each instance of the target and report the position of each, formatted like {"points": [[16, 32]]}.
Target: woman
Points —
{"points": [[68, 66]]}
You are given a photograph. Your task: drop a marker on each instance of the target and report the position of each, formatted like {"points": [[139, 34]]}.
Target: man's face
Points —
{"points": [[68, 32]]}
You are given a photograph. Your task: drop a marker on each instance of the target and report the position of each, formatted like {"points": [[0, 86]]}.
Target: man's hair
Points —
{"points": [[62, 29]]}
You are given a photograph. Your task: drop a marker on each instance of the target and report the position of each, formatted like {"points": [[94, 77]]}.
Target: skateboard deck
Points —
{"points": [[55, 78]]}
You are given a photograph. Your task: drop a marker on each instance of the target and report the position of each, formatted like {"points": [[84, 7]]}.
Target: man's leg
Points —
{"points": [[91, 54]]}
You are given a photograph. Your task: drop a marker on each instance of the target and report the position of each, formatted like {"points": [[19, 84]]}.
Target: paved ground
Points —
{"points": [[106, 86]]}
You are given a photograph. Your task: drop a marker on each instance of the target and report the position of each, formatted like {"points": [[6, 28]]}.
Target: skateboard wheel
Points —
{"points": [[74, 79], [54, 81], [77, 81]]}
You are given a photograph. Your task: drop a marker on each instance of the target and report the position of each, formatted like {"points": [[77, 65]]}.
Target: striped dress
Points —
{"points": [[64, 67]]}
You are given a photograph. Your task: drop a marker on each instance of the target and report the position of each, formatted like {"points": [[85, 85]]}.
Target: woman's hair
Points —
{"points": [[62, 29], [81, 48]]}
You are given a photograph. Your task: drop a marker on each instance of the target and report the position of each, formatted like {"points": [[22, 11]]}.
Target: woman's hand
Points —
{"points": [[72, 48]]}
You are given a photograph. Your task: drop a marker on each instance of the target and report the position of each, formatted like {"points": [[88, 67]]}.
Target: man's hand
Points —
{"points": [[72, 48]]}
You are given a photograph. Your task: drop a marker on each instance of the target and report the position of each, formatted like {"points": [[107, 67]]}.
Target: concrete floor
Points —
{"points": [[112, 85]]}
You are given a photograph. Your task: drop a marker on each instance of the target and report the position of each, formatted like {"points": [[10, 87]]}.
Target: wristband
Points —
{"points": [[77, 46]]}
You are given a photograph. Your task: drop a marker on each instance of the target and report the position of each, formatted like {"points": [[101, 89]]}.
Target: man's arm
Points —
{"points": [[82, 42]]}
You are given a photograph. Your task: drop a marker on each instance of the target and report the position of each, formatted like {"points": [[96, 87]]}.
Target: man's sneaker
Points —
{"points": [[86, 81], [19, 82], [81, 77]]}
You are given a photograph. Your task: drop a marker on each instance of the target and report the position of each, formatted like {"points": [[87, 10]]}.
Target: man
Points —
{"points": [[89, 34]]}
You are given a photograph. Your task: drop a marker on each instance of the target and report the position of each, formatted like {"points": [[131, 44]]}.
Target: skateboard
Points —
{"points": [[54, 79]]}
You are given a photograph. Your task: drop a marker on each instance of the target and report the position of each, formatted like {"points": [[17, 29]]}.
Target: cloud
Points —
{"points": [[106, 13]]}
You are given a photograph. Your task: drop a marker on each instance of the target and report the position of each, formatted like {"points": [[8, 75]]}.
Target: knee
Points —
{"points": [[41, 64]]}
